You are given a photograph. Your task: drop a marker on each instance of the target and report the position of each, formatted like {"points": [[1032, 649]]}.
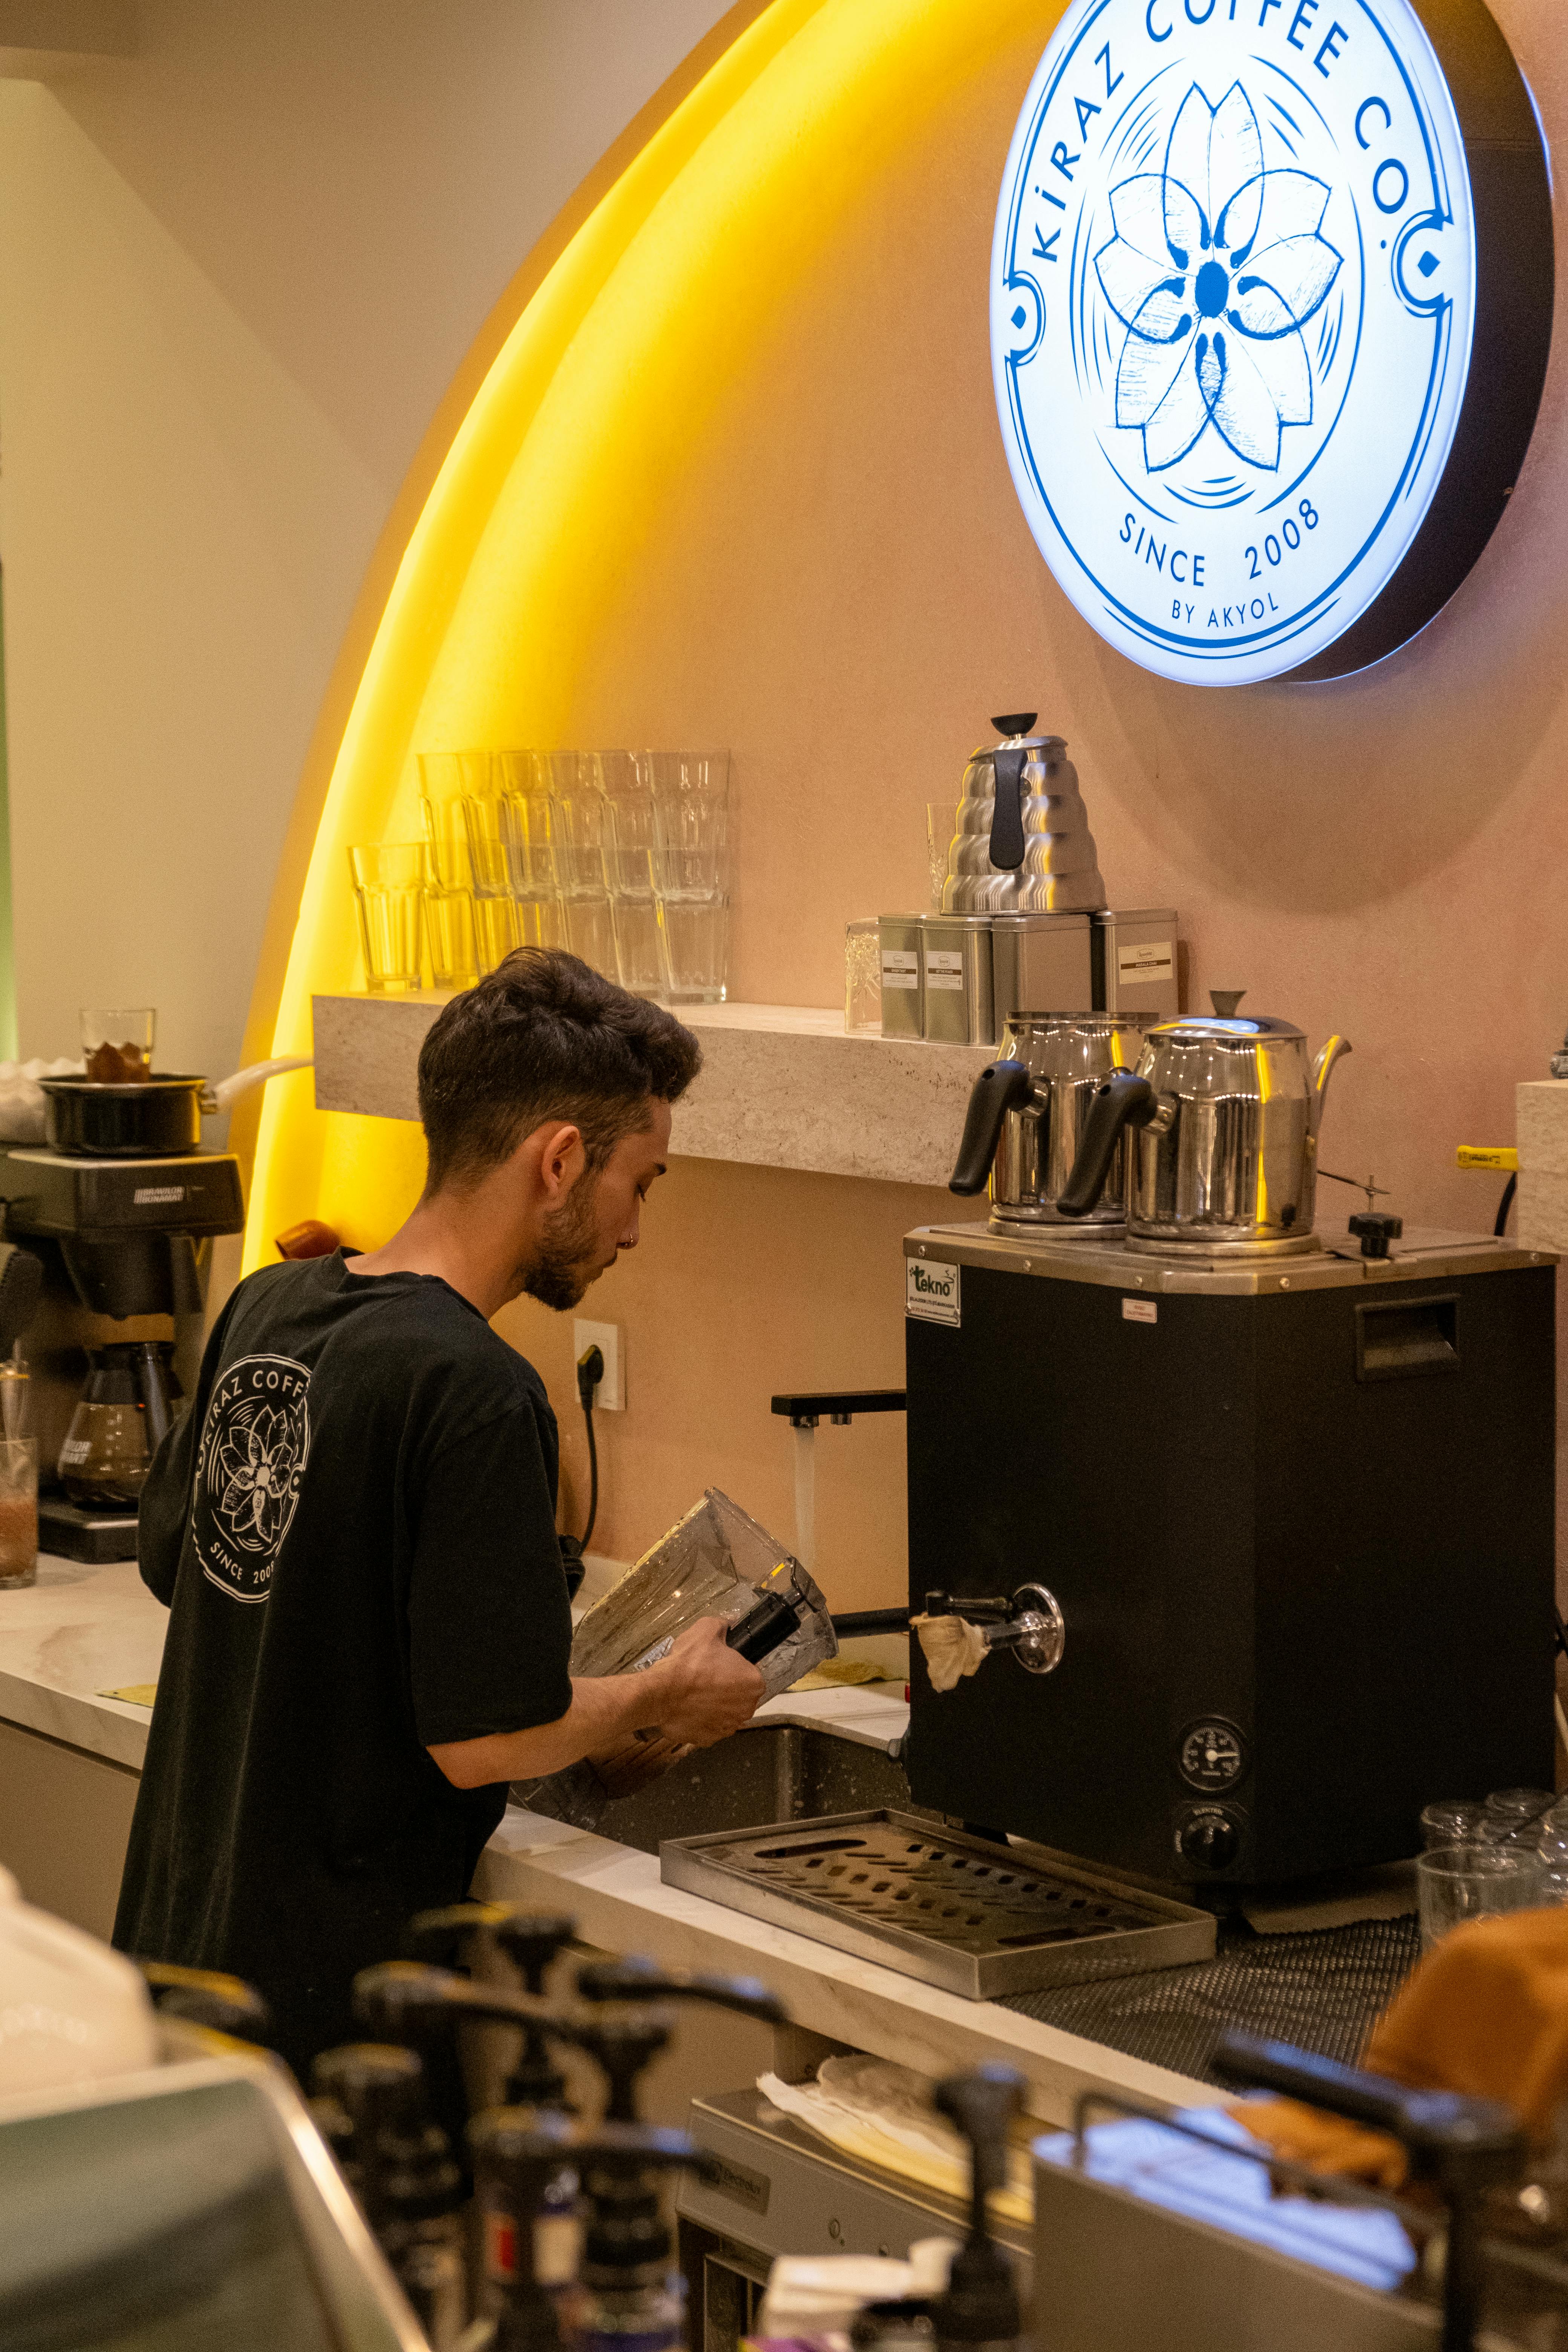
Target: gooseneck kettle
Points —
{"points": [[1224, 1118], [1022, 844]]}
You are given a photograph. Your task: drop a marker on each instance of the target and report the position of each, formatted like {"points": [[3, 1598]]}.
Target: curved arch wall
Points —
{"points": [[734, 475]]}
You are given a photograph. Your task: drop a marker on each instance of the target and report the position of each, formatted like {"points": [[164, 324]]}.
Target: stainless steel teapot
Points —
{"points": [[1022, 844], [1224, 1117], [1028, 1112]]}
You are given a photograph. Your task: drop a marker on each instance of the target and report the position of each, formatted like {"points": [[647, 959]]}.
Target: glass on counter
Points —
{"points": [[18, 1513], [1455, 1882], [389, 892], [117, 1046], [863, 977]]}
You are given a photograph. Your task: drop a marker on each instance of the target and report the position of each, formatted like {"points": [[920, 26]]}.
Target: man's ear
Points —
{"points": [[561, 1160]]}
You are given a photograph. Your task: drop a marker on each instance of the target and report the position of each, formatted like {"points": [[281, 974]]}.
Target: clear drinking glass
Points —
{"points": [[580, 812], [692, 821], [18, 1513], [1453, 1821], [1455, 1882], [389, 890], [942, 824], [117, 1047], [863, 977], [1516, 1805], [446, 779], [641, 948], [697, 930], [1551, 1852]]}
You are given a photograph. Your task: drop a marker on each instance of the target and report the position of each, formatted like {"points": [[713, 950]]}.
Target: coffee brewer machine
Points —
{"points": [[1293, 1498], [124, 1245]]}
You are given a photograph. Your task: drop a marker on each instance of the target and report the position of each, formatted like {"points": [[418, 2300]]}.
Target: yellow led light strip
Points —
{"points": [[598, 401]]}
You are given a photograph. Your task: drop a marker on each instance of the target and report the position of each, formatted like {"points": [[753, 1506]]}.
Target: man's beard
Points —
{"points": [[565, 1263]]}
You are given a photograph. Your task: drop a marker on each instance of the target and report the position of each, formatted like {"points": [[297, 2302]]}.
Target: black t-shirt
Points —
{"points": [[354, 1530]]}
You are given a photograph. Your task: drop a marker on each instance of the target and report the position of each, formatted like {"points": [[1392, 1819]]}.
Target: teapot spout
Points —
{"points": [[1323, 1070]]}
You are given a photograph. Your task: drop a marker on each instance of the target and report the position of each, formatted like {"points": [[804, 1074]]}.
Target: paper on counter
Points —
{"points": [[882, 2114], [133, 1693]]}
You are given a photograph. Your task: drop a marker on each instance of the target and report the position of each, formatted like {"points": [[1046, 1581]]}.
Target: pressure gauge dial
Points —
{"points": [[1212, 1756]]}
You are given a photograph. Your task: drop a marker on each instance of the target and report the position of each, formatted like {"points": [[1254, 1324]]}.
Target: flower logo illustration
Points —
{"points": [[254, 1445], [259, 1468], [1216, 266]]}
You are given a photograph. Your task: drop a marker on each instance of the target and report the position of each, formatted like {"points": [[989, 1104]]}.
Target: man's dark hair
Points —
{"points": [[542, 1038]]}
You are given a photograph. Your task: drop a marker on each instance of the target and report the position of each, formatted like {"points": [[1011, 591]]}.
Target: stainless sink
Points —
{"points": [[769, 1772]]}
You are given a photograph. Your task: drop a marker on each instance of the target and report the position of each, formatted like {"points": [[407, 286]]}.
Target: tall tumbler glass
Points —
{"points": [[524, 786], [1455, 1882], [691, 868], [641, 948], [389, 892], [447, 779], [18, 1512], [582, 821]]}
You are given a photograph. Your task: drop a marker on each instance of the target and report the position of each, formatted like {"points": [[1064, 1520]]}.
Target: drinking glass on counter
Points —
{"points": [[690, 792], [641, 946], [581, 817], [117, 1047], [942, 824], [18, 1513], [1455, 1882], [446, 778], [863, 977], [1453, 1821], [389, 891], [528, 833]]}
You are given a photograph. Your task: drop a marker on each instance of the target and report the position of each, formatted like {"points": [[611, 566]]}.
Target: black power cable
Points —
{"points": [[1505, 1204], [590, 1372]]}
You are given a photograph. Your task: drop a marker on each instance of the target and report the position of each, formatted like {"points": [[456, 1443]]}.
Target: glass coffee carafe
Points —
{"points": [[120, 1420]]}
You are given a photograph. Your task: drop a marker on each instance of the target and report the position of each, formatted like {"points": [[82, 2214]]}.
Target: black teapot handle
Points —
{"points": [[1120, 1101], [1008, 808], [1002, 1088]]}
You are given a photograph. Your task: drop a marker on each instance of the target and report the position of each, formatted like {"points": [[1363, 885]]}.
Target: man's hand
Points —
{"points": [[700, 1693], [704, 1690]]}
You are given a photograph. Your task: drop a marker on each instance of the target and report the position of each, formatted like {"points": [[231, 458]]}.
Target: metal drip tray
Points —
{"points": [[961, 1912]]}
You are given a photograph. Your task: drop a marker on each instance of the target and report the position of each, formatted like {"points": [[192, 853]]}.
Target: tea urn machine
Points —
{"points": [[1295, 1507]]}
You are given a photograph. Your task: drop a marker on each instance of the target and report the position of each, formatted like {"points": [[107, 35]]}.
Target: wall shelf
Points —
{"points": [[781, 1085]]}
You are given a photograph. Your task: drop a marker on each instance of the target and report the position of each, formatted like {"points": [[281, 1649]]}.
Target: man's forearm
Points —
{"points": [[602, 1709]]}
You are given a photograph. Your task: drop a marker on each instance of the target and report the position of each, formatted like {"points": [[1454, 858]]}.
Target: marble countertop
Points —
{"points": [[78, 1634]]}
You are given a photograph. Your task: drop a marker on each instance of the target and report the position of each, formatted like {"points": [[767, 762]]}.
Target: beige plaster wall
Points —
{"points": [[237, 272], [842, 587]]}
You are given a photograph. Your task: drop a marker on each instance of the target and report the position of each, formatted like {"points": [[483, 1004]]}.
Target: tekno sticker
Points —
{"points": [[1232, 300], [254, 1449]]}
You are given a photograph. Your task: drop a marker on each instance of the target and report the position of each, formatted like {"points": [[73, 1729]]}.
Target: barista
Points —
{"points": [[354, 1528]]}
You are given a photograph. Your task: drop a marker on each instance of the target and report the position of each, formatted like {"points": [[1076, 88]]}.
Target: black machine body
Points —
{"points": [[1298, 1517]]}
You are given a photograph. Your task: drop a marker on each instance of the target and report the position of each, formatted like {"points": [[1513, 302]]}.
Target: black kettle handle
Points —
{"points": [[1004, 1086], [1120, 1101], [1008, 808]]}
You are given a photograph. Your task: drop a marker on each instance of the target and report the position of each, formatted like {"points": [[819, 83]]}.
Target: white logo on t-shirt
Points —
{"points": [[254, 1449]]}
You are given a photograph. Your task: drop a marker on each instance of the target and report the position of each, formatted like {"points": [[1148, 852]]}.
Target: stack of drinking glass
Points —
{"points": [[1507, 1853], [621, 856]]}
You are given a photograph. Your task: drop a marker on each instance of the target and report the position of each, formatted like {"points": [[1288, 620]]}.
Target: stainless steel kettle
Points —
{"points": [[1027, 1113], [1022, 844], [1224, 1117]]}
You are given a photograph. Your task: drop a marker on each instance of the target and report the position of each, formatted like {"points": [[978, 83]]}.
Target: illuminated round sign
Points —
{"points": [[1245, 278]]}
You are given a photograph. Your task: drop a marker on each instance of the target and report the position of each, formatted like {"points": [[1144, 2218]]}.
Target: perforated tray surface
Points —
{"points": [[956, 1911]]}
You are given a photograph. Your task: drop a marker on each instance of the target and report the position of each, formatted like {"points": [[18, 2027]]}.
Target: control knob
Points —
{"points": [[1209, 1840]]}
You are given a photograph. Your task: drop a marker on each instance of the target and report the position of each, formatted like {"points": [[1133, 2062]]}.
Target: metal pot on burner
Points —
{"points": [[1028, 1113], [1223, 1116]]}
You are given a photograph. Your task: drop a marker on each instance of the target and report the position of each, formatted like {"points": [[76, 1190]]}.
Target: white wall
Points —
{"points": [[236, 274]]}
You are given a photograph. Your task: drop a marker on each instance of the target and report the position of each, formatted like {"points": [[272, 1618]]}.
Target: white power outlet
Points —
{"points": [[610, 1396]]}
